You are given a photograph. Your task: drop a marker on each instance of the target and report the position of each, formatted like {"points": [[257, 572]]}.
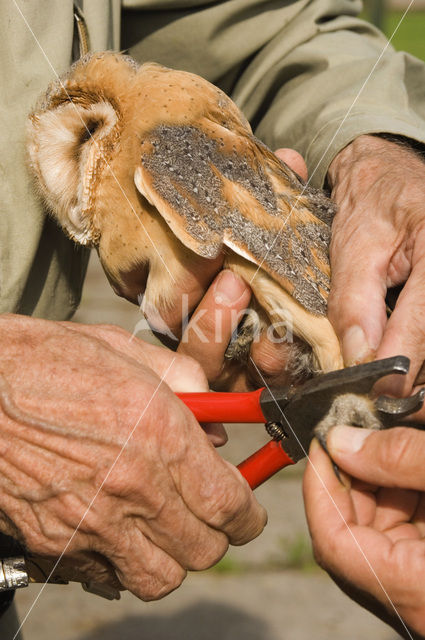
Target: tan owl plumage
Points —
{"points": [[156, 168]]}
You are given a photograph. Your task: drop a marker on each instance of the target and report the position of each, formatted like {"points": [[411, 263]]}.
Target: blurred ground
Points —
{"points": [[268, 590]]}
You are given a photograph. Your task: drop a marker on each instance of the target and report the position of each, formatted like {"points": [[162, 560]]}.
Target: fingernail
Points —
{"points": [[216, 433], [315, 446], [355, 348], [228, 288], [347, 440]]}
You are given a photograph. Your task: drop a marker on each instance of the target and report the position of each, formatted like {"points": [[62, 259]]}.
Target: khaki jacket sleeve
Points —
{"points": [[41, 271], [342, 81], [308, 74]]}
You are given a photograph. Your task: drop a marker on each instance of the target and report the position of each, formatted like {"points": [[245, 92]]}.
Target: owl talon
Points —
{"points": [[321, 437], [337, 473]]}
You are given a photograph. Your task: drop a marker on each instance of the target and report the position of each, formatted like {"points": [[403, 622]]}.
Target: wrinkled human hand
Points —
{"points": [[216, 317], [101, 461], [369, 533], [378, 241]]}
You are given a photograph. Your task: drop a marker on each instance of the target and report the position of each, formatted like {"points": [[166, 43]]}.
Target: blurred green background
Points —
{"points": [[410, 35]]}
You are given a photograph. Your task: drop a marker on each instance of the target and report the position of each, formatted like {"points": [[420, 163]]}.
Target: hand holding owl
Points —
{"points": [[379, 242]]}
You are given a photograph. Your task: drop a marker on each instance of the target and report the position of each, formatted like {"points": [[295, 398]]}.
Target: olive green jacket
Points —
{"points": [[308, 74]]}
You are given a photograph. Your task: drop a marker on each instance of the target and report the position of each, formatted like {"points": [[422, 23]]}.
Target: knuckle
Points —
{"points": [[250, 526], [228, 502], [206, 556], [191, 365], [153, 587], [270, 359]]}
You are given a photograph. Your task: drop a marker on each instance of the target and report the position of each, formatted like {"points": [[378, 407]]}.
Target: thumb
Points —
{"points": [[390, 458], [210, 329]]}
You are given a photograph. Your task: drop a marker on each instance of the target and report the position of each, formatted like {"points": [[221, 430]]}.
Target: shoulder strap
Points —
{"points": [[81, 44]]}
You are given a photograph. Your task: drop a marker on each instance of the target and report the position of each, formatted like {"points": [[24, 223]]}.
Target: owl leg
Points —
{"points": [[240, 345], [286, 312], [349, 409]]}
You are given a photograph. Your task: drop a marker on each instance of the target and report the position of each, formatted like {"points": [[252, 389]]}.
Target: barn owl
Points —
{"points": [[159, 169]]}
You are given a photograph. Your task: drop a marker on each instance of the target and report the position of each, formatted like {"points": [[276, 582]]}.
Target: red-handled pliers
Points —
{"points": [[291, 413]]}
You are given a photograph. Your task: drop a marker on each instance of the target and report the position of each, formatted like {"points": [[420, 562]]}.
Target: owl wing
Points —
{"points": [[218, 188]]}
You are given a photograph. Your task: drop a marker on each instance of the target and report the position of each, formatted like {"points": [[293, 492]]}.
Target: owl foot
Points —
{"points": [[348, 409]]}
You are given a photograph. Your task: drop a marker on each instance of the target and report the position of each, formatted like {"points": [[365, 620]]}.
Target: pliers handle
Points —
{"points": [[241, 407]]}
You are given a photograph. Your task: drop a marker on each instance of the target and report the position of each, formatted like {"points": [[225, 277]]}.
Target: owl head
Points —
{"points": [[86, 138], [72, 135]]}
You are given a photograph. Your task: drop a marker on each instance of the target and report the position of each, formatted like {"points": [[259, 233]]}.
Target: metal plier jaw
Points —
{"points": [[291, 413], [299, 410]]}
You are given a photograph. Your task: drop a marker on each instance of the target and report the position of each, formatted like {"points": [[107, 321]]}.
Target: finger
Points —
{"points": [[181, 373], [209, 331], [328, 502], [167, 319], [269, 361], [271, 358], [294, 160], [358, 554], [142, 567], [215, 491], [363, 498], [390, 458], [191, 542], [216, 433], [356, 305], [162, 526], [157, 358], [405, 332]]}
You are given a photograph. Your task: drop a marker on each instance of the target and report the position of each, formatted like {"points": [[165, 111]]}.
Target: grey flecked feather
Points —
{"points": [[187, 167]]}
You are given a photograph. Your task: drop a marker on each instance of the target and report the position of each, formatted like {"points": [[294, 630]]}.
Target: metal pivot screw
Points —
{"points": [[13, 573], [275, 430]]}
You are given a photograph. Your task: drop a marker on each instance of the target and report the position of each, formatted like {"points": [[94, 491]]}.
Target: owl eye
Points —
{"points": [[89, 130]]}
